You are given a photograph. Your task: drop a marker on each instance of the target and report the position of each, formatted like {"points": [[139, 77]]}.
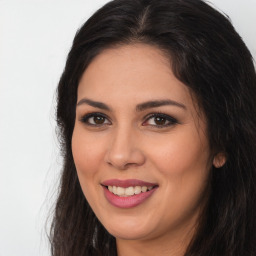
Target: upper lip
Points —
{"points": [[127, 183]]}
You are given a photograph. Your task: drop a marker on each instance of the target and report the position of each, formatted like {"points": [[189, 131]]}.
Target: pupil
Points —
{"points": [[160, 120], [99, 119]]}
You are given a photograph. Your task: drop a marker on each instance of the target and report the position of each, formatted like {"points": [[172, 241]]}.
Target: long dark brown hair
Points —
{"points": [[209, 57]]}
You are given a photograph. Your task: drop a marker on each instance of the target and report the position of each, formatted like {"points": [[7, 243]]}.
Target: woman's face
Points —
{"points": [[140, 145]]}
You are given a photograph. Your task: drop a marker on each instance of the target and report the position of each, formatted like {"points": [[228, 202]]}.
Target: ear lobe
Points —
{"points": [[219, 160]]}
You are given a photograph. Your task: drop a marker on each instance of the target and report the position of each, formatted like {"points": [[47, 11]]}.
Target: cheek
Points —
{"points": [[180, 154], [184, 166], [86, 152], [87, 156]]}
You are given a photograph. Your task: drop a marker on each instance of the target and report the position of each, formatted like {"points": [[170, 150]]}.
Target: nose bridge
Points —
{"points": [[122, 139], [124, 147]]}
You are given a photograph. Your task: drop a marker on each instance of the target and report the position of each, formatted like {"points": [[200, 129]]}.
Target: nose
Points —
{"points": [[124, 150]]}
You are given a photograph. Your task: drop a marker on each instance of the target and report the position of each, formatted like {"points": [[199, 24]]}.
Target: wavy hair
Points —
{"points": [[210, 58]]}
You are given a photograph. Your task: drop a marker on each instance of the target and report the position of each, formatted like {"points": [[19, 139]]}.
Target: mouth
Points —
{"points": [[127, 193], [130, 191]]}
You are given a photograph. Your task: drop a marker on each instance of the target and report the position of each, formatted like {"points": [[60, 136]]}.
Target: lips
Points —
{"points": [[127, 193]]}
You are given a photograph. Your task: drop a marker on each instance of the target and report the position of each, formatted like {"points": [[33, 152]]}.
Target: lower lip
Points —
{"points": [[129, 201]]}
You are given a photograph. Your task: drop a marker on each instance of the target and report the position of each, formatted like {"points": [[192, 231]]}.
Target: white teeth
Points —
{"points": [[137, 190], [144, 189], [129, 191], [120, 191]]}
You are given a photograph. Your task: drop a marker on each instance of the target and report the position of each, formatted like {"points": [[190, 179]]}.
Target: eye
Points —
{"points": [[95, 119], [160, 120]]}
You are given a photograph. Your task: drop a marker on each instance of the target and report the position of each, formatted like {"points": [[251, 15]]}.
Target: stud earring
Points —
{"points": [[219, 160]]}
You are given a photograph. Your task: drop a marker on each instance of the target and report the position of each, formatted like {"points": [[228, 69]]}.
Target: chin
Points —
{"points": [[128, 234], [129, 230]]}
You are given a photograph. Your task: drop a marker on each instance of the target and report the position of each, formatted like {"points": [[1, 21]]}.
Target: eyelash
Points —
{"points": [[171, 121], [85, 119]]}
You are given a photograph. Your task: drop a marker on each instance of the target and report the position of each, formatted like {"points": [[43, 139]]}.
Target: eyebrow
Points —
{"points": [[158, 103], [140, 107], [93, 103]]}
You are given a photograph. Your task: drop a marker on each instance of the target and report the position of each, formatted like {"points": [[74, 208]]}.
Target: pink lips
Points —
{"points": [[129, 201]]}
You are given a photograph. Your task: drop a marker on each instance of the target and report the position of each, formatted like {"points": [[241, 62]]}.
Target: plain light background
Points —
{"points": [[35, 37]]}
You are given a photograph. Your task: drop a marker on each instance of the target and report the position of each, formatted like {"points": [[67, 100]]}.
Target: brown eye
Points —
{"points": [[160, 120], [95, 119], [99, 119]]}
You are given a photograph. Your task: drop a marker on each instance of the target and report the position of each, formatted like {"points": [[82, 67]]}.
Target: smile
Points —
{"points": [[130, 191], [127, 193]]}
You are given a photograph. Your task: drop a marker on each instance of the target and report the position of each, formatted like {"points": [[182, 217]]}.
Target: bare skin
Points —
{"points": [[115, 137]]}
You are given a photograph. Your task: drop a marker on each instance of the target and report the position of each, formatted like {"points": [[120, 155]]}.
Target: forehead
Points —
{"points": [[134, 71]]}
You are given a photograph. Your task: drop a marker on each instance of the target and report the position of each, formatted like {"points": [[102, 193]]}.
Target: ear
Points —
{"points": [[219, 160]]}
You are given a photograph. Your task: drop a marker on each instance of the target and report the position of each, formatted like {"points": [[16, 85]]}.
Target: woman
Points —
{"points": [[156, 114]]}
